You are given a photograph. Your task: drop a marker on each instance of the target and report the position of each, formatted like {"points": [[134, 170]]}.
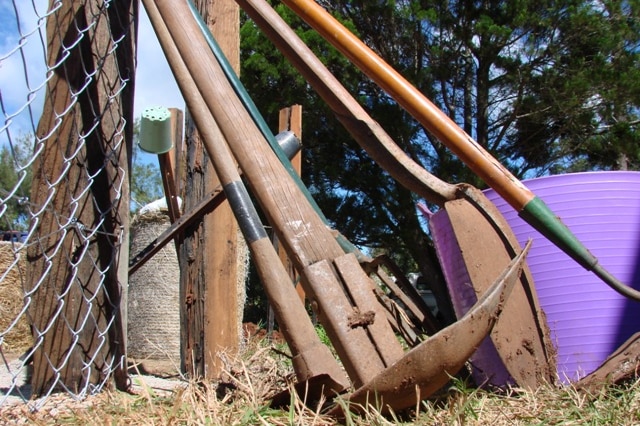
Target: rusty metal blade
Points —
{"points": [[487, 229], [487, 244], [428, 367]]}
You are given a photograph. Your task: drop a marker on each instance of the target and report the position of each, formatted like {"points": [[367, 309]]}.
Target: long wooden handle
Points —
{"points": [[430, 116], [364, 129], [311, 358], [529, 207]]}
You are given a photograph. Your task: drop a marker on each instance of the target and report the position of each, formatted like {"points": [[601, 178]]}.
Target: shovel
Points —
{"points": [[337, 287], [484, 237], [532, 209]]}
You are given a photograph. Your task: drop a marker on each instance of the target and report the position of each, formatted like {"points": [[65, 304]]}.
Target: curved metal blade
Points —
{"points": [[428, 367], [487, 244]]}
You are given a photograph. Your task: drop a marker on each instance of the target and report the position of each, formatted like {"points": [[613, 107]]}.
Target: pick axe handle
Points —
{"points": [[364, 129], [414, 102]]}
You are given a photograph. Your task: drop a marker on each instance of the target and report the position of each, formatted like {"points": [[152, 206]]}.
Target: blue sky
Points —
{"points": [[155, 85]]}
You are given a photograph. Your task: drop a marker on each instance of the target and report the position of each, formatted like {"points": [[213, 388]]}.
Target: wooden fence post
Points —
{"points": [[79, 281], [291, 119], [212, 298]]}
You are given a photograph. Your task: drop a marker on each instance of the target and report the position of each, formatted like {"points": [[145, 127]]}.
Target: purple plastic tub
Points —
{"points": [[588, 320]]}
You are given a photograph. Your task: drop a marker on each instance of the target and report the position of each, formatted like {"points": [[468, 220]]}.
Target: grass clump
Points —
{"points": [[546, 405], [243, 395]]}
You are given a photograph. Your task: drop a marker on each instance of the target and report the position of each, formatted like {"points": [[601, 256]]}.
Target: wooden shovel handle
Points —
{"points": [[430, 116], [531, 208]]}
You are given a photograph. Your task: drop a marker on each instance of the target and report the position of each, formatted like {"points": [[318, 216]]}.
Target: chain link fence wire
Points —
{"points": [[66, 99]]}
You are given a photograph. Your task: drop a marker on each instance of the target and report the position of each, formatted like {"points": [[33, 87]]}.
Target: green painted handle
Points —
{"points": [[537, 214]]}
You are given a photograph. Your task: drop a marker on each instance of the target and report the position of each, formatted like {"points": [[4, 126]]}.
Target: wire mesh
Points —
{"points": [[66, 99]]}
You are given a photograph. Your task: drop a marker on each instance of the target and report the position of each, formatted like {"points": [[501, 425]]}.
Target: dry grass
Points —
{"points": [[14, 326], [242, 398], [548, 405]]}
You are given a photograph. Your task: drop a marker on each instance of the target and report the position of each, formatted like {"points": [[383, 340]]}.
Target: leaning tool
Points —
{"points": [[311, 358], [341, 293], [426, 368], [484, 237], [427, 322], [287, 141], [530, 208], [339, 290]]}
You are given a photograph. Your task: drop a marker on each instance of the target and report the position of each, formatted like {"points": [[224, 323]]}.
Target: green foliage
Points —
{"points": [[146, 184], [323, 336], [580, 111], [16, 173], [15, 183]]}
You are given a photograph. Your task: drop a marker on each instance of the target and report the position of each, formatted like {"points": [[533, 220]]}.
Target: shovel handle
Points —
{"points": [[482, 163], [173, 24], [429, 115]]}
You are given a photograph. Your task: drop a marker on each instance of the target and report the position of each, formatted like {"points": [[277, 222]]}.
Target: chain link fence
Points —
{"points": [[66, 98]]}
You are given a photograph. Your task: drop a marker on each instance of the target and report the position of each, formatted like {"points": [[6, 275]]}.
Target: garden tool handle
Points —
{"points": [[413, 101], [363, 128], [482, 163], [174, 27]]}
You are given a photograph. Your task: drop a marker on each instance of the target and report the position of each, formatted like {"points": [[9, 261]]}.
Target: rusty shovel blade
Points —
{"points": [[428, 367], [487, 244]]}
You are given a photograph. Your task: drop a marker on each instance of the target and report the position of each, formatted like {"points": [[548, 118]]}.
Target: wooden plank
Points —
{"points": [[290, 118], [213, 305], [223, 314], [178, 152], [210, 202], [190, 258], [168, 182]]}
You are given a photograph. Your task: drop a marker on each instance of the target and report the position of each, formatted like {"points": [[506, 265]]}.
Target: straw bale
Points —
{"points": [[153, 297], [15, 333], [243, 260]]}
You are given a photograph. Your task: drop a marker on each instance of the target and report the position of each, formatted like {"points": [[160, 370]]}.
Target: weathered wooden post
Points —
{"points": [[290, 118], [78, 264], [212, 300]]}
